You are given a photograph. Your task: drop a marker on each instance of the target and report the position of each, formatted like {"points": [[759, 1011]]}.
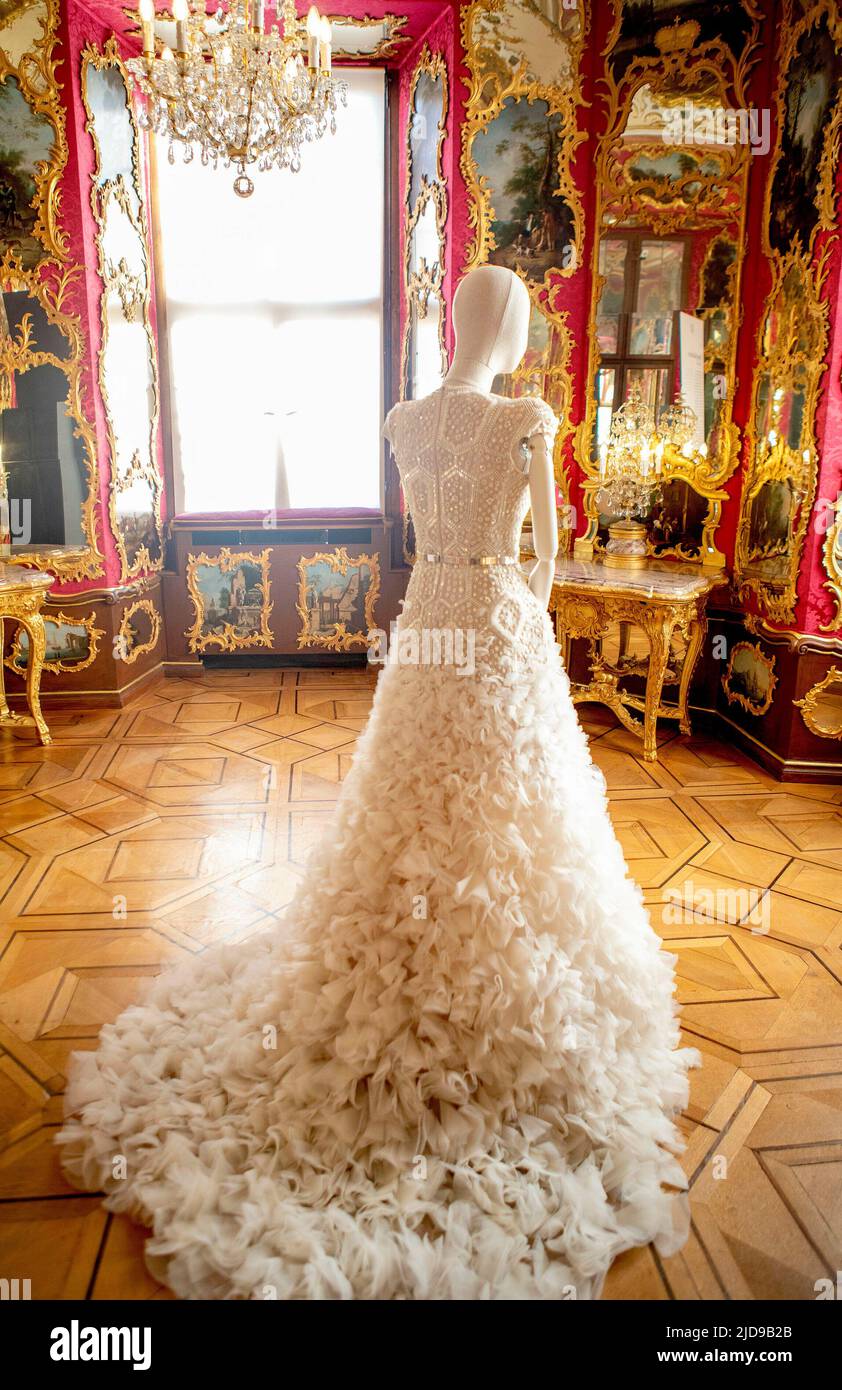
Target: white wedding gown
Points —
{"points": [[452, 1072]]}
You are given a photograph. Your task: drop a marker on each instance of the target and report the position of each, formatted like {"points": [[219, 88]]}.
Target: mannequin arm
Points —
{"points": [[544, 519]]}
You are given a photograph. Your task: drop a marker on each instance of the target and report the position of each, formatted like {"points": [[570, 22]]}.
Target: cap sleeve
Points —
{"points": [[538, 419], [389, 424]]}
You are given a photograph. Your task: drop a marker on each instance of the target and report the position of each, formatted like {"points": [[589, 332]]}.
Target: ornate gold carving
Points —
{"points": [[339, 562], [792, 339], [493, 81], [21, 599], [811, 706], [15, 662], [226, 636], [791, 346], [795, 28], [35, 74], [500, 72], [132, 289], [50, 289], [791, 638], [423, 282], [583, 611], [386, 48], [832, 560], [708, 75], [755, 704], [129, 647]]}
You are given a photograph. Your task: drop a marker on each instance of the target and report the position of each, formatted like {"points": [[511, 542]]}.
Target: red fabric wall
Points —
{"points": [[437, 22]]}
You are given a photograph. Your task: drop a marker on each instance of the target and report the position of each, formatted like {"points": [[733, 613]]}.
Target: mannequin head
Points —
{"points": [[491, 319]]}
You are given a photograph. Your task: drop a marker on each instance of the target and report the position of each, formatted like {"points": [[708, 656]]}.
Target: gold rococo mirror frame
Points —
{"points": [[678, 74], [132, 297], [490, 86], [35, 74], [50, 283], [19, 354], [420, 284], [778, 462], [778, 597], [832, 560]]}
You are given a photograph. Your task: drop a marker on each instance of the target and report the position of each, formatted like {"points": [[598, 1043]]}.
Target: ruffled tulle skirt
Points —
{"points": [[451, 1073]]}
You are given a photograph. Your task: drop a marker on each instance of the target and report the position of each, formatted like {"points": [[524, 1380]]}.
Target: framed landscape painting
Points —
{"points": [[336, 599], [230, 593]]}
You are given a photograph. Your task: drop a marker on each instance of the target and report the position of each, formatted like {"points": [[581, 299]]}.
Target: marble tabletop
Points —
{"points": [[13, 577], [656, 579]]}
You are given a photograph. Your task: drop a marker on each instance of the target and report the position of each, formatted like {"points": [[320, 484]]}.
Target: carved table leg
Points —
{"points": [[695, 637], [659, 634], [34, 625]]}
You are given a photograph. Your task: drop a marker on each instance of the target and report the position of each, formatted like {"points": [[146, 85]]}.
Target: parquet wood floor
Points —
{"points": [[147, 833]]}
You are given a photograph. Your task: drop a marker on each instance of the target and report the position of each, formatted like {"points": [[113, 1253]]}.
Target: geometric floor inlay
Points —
{"points": [[144, 835]]}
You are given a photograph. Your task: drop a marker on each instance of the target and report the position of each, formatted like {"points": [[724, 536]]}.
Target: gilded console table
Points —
{"points": [[662, 599], [21, 597]]}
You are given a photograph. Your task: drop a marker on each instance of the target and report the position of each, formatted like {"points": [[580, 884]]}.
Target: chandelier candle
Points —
{"points": [[146, 11], [179, 14], [324, 44], [238, 95], [313, 27]]}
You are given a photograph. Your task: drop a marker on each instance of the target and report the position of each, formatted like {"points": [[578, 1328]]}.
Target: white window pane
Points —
{"points": [[329, 373], [275, 322], [315, 236], [219, 425]]}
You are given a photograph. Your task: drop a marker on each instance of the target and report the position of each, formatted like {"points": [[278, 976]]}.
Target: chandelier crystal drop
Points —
{"points": [[631, 464], [239, 95]]}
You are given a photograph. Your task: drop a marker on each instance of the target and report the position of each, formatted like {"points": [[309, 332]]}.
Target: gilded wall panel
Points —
{"points": [[128, 370], [671, 175], [799, 211]]}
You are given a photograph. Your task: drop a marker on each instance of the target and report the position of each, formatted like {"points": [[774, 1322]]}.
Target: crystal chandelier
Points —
{"points": [[630, 470], [238, 94]]}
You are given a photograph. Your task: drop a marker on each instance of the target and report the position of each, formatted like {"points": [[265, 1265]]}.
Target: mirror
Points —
{"points": [[542, 372], [778, 493], [127, 362], [426, 243], [671, 183], [47, 446], [111, 123], [426, 128], [424, 352], [801, 200], [426, 363], [41, 450]]}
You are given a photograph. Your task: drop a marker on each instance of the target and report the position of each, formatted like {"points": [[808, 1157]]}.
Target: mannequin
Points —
{"points": [[491, 310]]}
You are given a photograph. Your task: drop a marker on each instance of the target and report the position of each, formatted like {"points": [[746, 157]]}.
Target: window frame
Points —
{"points": [[622, 360], [390, 324]]}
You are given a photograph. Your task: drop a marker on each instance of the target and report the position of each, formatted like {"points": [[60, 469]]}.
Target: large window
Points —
{"points": [[275, 322]]}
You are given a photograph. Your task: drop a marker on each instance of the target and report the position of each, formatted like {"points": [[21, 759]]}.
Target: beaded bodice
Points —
{"points": [[463, 457]]}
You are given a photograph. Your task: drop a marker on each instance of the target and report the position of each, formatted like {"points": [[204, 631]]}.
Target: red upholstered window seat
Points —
{"points": [[252, 520]]}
